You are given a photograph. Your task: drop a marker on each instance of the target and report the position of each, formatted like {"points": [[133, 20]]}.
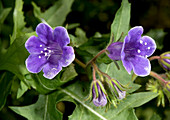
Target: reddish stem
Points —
{"points": [[154, 57], [155, 75], [93, 59]]}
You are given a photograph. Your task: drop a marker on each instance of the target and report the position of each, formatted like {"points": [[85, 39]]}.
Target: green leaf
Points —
{"points": [[44, 109], [56, 14], [14, 59], [158, 35], [6, 79], [18, 18], [121, 75], [155, 117], [85, 110], [22, 89], [121, 21], [128, 114], [79, 39], [44, 85], [3, 14]]}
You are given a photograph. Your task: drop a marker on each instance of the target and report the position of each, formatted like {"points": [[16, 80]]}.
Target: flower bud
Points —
{"points": [[98, 93], [117, 89], [164, 60], [114, 50]]}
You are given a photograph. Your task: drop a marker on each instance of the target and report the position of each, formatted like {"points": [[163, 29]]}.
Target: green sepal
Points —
{"points": [[102, 88], [96, 90], [164, 54], [165, 63], [90, 93]]}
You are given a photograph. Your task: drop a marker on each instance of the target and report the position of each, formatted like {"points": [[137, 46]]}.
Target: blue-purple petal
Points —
{"points": [[35, 63], [61, 36], [126, 62], [135, 33], [68, 56], [101, 100], [34, 45], [147, 46], [141, 66], [115, 50], [51, 70], [44, 32]]}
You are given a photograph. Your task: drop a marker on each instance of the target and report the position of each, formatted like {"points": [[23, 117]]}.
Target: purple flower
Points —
{"points": [[49, 51], [165, 60], [115, 50], [134, 52], [99, 98]]}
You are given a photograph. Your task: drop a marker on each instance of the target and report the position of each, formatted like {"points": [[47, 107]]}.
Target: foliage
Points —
{"points": [[72, 84]]}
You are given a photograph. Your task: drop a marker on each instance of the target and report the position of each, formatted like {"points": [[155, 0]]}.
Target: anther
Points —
{"points": [[139, 51], [45, 48], [45, 54], [141, 41]]}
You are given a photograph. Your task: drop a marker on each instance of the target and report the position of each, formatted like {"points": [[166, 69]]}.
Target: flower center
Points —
{"points": [[50, 50]]}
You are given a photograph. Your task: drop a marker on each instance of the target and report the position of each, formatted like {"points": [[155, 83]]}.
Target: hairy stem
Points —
{"points": [[155, 75], [80, 63], [93, 59], [154, 57], [97, 69]]}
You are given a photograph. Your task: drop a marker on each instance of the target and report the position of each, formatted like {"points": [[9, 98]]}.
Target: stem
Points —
{"points": [[80, 63], [93, 59], [94, 74], [154, 57], [155, 75], [105, 74]]}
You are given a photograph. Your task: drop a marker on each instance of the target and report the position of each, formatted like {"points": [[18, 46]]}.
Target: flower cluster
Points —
{"points": [[49, 51], [134, 51], [105, 89], [99, 95]]}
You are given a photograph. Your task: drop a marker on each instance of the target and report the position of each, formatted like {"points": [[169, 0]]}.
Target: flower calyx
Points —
{"points": [[164, 61], [98, 93]]}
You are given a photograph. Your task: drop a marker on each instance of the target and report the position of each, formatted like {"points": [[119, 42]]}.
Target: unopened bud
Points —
{"points": [[164, 60]]}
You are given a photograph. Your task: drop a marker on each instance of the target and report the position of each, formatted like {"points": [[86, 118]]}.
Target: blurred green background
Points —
{"points": [[94, 16]]}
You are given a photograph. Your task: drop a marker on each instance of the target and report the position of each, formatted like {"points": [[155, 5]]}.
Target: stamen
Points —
{"points": [[149, 48], [139, 51], [145, 43], [46, 54], [49, 51], [45, 48], [40, 45], [141, 41], [41, 51], [39, 57]]}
